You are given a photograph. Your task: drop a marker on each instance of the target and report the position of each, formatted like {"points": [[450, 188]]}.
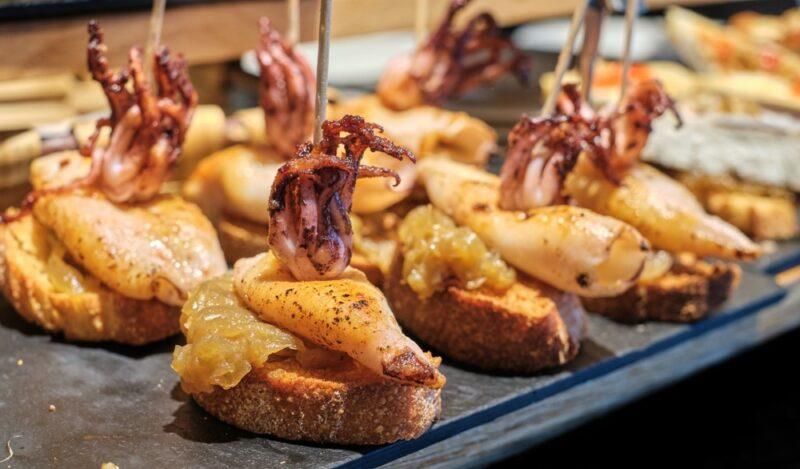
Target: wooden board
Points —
{"points": [[123, 404], [209, 32]]}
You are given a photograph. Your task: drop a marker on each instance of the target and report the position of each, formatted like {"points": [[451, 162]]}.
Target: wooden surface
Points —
{"points": [[205, 33], [221, 31]]}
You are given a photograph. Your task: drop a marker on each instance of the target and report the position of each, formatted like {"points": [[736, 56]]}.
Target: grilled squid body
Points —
{"points": [[347, 314], [571, 248], [661, 208], [160, 249], [426, 131]]}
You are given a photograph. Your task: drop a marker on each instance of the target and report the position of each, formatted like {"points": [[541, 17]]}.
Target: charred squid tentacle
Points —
{"points": [[286, 90], [309, 226], [148, 127], [542, 152], [452, 62]]}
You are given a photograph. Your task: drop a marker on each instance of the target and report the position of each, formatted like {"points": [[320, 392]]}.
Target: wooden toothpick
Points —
{"points": [[154, 35], [564, 57], [293, 16], [630, 17], [593, 25], [323, 49], [421, 21]]}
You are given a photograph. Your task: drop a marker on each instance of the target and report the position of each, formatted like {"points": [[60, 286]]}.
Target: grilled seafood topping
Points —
{"points": [[347, 315], [571, 248], [286, 90], [661, 208], [309, 226], [624, 133], [147, 129], [542, 151], [451, 62]]}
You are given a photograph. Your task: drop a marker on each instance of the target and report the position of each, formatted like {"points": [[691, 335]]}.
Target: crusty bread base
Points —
{"points": [[349, 407], [101, 315], [242, 238], [527, 328], [691, 290]]}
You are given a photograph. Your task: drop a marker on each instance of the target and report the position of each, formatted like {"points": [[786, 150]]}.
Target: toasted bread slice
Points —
{"points": [[528, 327], [687, 293], [98, 314], [241, 238], [761, 211], [761, 216], [349, 407]]}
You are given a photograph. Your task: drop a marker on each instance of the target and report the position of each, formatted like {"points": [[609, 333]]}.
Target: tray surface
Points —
{"points": [[124, 404]]}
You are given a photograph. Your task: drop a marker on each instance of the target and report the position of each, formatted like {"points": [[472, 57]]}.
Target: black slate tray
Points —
{"points": [[124, 404], [785, 256]]}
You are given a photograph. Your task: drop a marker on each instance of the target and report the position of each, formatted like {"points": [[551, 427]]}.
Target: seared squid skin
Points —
{"points": [[450, 63], [661, 208], [571, 248], [147, 130], [347, 314], [286, 90], [311, 197]]}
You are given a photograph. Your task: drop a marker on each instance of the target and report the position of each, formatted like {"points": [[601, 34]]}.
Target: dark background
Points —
{"points": [[742, 413]]}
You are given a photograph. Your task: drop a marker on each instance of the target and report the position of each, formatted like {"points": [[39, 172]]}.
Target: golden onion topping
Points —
{"points": [[436, 251], [375, 247], [224, 340], [64, 277]]}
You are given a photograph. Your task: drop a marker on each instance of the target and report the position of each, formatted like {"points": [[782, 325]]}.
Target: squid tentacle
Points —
{"points": [[542, 151], [452, 62], [309, 226], [147, 128]]}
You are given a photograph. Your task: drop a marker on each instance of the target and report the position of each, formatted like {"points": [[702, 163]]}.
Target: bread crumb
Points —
{"points": [[109, 465], [20, 362], [51, 408]]}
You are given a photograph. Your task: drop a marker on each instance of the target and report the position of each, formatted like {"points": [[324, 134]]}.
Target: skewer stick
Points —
{"points": [[293, 13], [564, 57], [421, 20], [154, 35], [593, 25], [630, 17], [323, 49]]}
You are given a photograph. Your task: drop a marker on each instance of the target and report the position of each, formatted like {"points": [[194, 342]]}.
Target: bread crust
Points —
{"points": [[688, 293], [529, 327], [241, 238], [101, 315], [348, 407]]}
